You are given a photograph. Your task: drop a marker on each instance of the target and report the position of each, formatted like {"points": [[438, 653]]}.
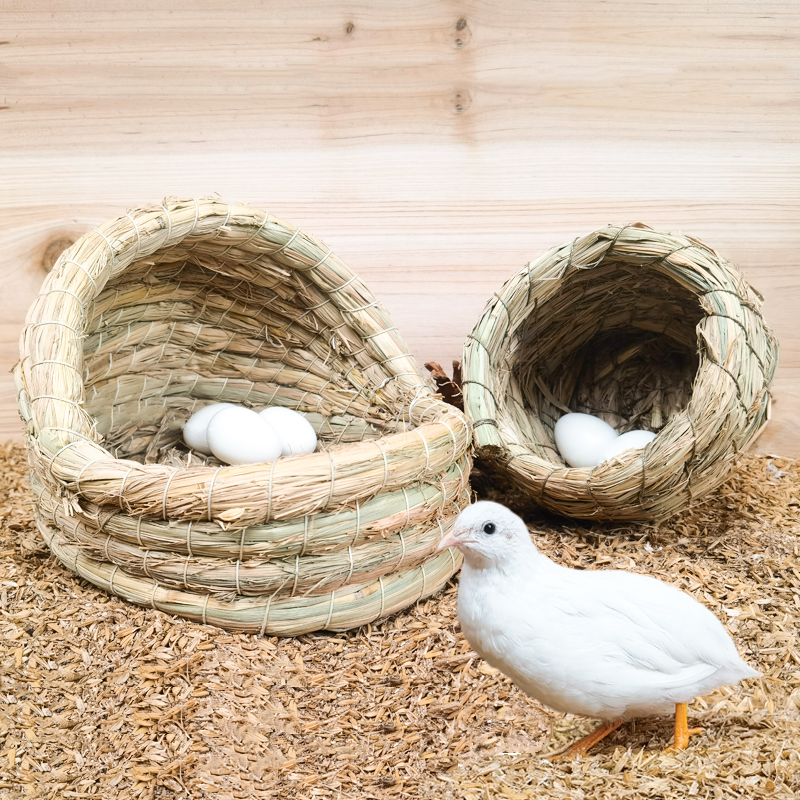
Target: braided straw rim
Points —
{"points": [[408, 484], [62, 434], [694, 452]]}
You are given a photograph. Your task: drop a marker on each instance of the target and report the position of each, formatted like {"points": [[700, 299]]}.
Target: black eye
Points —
{"points": [[489, 527]]}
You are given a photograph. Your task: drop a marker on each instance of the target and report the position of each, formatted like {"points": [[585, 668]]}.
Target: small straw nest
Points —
{"points": [[171, 307], [645, 330]]}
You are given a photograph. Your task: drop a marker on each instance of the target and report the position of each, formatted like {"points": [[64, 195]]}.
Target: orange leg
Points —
{"points": [[582, 746], [682, 729]]}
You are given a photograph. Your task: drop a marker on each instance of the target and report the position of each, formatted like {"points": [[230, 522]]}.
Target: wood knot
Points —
{"points": [[349, 28], [463, 33], [461, 100], [54, 248]]}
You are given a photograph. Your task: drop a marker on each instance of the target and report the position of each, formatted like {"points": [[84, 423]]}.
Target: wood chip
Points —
{"points": [[101, 698]]}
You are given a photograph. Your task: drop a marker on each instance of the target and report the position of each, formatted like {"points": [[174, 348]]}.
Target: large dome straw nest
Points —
{"points": [[644, 329], [172, 307]]}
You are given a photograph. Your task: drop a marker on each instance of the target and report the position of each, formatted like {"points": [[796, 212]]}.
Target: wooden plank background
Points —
{"points": [[436, 146]]}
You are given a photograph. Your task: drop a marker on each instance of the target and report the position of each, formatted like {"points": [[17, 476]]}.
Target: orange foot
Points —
{"points": [[682, 729], [582, 746]]}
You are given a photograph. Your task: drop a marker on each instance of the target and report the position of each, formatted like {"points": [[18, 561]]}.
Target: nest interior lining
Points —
{"points": [[612, 342], [168, 337]]}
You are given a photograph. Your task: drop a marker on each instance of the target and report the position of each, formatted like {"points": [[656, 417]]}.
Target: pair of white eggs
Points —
{"points": [[586, 441], [239, 435]]}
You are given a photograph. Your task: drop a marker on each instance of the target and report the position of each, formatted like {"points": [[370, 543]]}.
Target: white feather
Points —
{"points": [[606, 644]]}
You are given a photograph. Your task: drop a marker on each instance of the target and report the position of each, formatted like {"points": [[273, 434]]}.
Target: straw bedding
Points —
{"points": [[172, 307], [646, 330], [105, 699]]}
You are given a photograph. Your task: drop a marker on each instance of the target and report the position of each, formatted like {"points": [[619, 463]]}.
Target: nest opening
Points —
{"points": [[644, 329], [612, 342], [188, 332], [172, 307]]}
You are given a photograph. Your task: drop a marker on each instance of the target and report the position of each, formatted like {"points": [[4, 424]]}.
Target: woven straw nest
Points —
{"points": [[644, 329], [172, 307]]}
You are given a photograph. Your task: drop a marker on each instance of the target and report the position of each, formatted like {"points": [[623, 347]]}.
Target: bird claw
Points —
{"points": [[568, 752], [582, 746], [683, 742]]}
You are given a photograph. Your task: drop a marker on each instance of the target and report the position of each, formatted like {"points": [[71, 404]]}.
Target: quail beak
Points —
{"points": [[449, 540]]}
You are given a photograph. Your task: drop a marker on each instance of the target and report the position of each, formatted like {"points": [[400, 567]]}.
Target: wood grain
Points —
{"points": [[437, 147]]}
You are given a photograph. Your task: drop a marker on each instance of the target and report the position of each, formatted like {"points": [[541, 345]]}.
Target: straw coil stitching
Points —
{"points": [[337, 353]]}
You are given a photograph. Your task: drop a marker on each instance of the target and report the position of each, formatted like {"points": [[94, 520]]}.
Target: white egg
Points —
{"points": [[238, 435], [196, 428], [627, 441], [294, 430], [581, 438]]}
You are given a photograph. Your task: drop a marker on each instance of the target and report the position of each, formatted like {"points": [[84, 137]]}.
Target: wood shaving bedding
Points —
{"points": [[99, 698]]}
